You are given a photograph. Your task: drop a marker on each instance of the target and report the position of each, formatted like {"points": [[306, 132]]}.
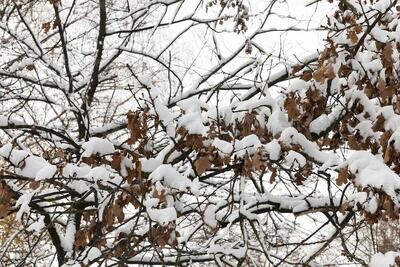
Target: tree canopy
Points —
{"points": [[176, 132]]}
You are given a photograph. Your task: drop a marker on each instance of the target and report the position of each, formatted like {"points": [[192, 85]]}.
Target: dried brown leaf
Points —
{"points": [[257, 161], [352, 36], [343, 177], [46, 26], [81, 238], [389, 153], [291, 108], [387, 54], [272, 178], [202, 164], [4, 210], [379, 124], [318, 75]]}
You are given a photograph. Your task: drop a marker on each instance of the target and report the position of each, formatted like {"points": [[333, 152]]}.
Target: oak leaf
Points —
{"points": [[352, 36], [318, 75], [257, 161], [329, 72], [343, 177], [81, 238], [379, 124], [272, 178], [116, 161], [387, 54], [46, 26], [353, 142], [34, 185], [4, 210], [306, 76], [118, 212], [343, 208], [291, 108], [202, 164], [389, 153]]}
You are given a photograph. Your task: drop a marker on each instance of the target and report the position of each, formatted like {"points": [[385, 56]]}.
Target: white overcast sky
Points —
{"points": [[197, 44]]}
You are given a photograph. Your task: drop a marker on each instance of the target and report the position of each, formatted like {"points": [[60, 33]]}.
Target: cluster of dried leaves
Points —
{"points": [[241, 13], [380, 87]]}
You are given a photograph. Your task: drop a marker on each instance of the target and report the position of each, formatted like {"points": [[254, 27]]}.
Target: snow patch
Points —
{"points": [[97, 145]]}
